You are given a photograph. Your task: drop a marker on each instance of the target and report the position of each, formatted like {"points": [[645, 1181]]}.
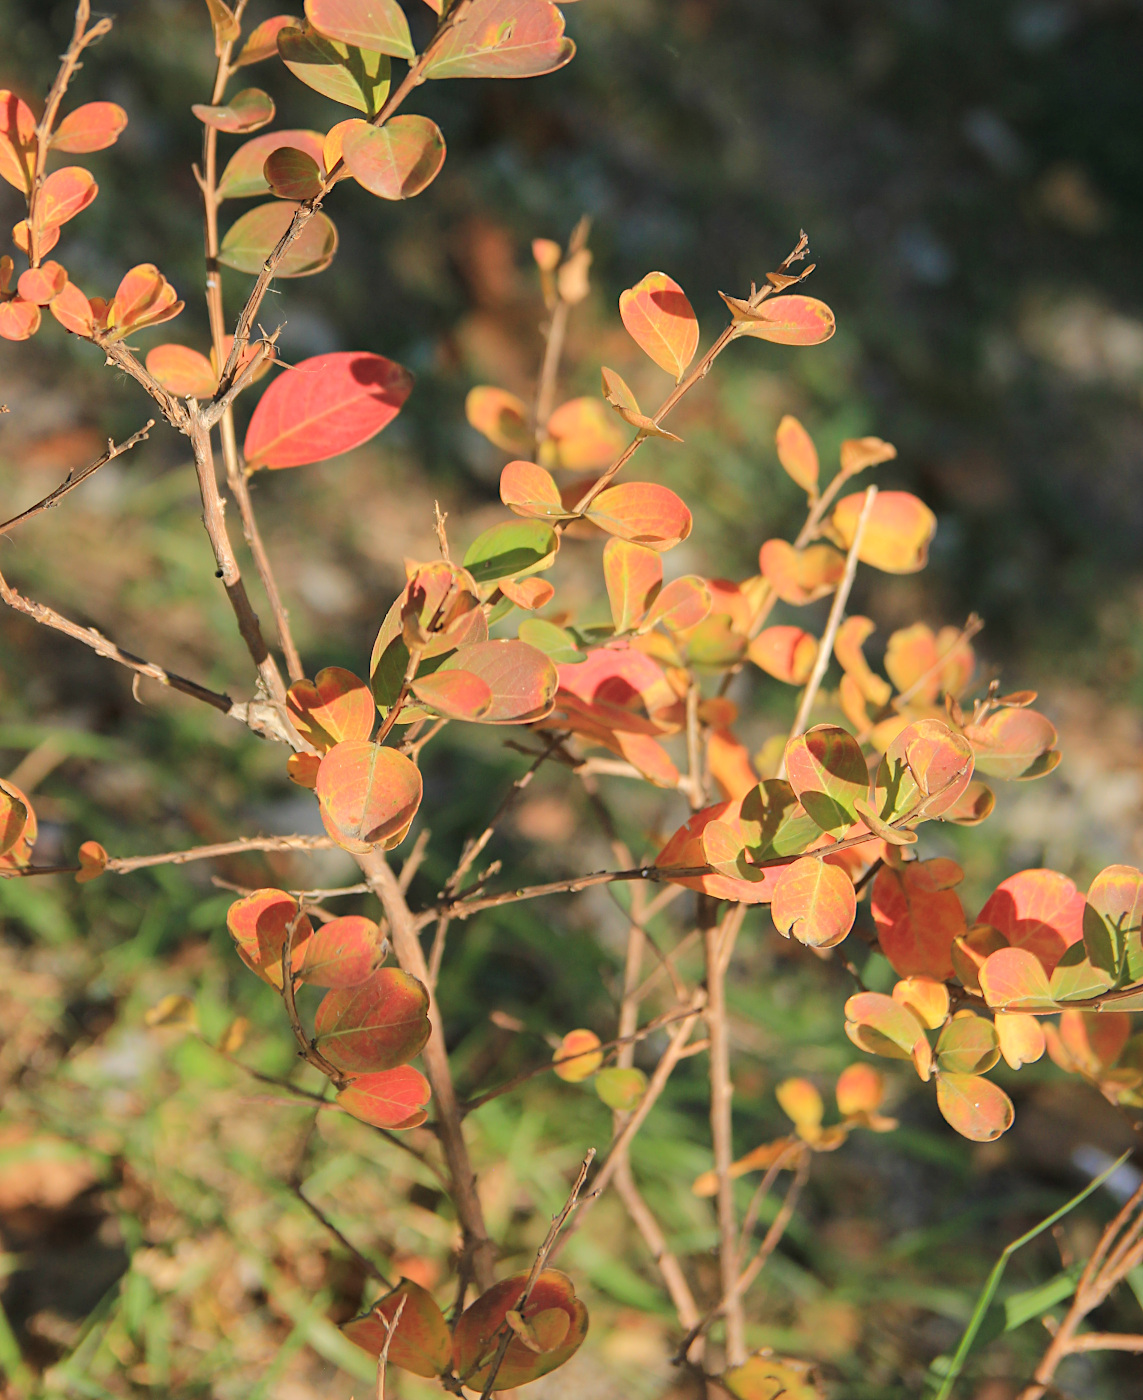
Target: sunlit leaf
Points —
{"points": [[342, 952], [522, 680], [1075, 977], [577, 1056], [967, 1045], [800, 575], [63, 195], [335, 706], [802, 1104], [857, 454], [366, 24], [397, 160], [477, 1334], [978, 1109], [973, 806], [634, 576], [392, 1098], [143, 298], [915, 661], [851, 636], [292, 174], [250, 240], [787, 653], [620, 1089], [814, 903], [897, 532], [421, 1341], [245, 112], [244, 175], [1014, 979], [678, 607], [226, 26], [557, 643], [182, 371], [788, 320], [826, 769], [916, 924], [500, 416], [860, 1089], [17, 141], [582, 437], [40, 284], [92, 127], [642, 512], [13, 817], [769, 1377], [376, 1025], [73, 311], [1095, 1039], [19, 319], [660, 320], [92, 862], [926, 997], [1038, 910], [325, 406], [1020, 1036], [878, 1024], [926, 769], [263, 40], [798, 455], [1112, 919], [258, 923], [368, 794], [355, 77], [510, 550], [503, 39], [455, 694], [1014, 743], [530, 491]]}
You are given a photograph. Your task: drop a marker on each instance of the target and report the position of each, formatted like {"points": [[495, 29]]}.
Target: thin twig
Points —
{"points": [[307, 1048], [363, 1259], [123, 865], [390, 1333], [77, 478]]}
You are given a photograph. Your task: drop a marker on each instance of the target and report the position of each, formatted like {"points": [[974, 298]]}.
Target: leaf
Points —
{"points": [[581, 437], [642, 512], [800, 576], [143, 298], [40, 284], [967, 1045], [325, 406], [476, 1337], [503, 39], [878, 1024], [302, 768], [680, 606], [17, 141], [510, 550], [226, 26], [263, 40], [1075, 977], [421, 1341], [528, 593], [634, 577], [530, 491], [258, 924], [1095, 1039], [357, 78], [973, 806], [557, 644], [814, 902], [851, 636], [1021, 1038], [802, 1104], [857, 454], [246, 111], [250, 240], [455, 694], [377, 1025], [916, 662], [978, 1109], [1039, 910], [92, 127], [397, 160], [916, 924], [1014, 743], [365, 24], [1013, 979], [660, 320], [860, 1089], [798, 455], [368, 794], [521, 679], [789, 320], [63, 195], [926, 997], [19, 319], [182, 371], [393, 1098], [620, 1089], [244, 174], [500, 416], [826, 769], [926, 770], [342, 953], [769, 1377], [784, 652], [1112, 918], [897, 532], [292, 174], [45, 240], [577, 1056], [13, 817]]}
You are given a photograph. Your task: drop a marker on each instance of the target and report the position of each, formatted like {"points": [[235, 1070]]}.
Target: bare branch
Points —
{"points": [[125, 864], [77, 478]]}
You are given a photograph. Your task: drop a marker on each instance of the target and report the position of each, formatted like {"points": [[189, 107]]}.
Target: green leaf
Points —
{"points": [[251, 240], [556, 643], [355, 77], [510, 550]]}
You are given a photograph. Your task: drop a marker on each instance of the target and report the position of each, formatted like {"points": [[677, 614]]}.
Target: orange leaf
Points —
{"points": [[729, 763], [860, 1089], [258, 924], [17, 141], [40, 284], [421, 1341], [881, 1026], [500, 416], [577, 1056], [378, 25], [335, 706], [643, 513], [798, 455], [680, 606], [92, 862], [520, 677], [789, 320], [851, 636], [14, 810], [92, 127], [454, 694], [376, 1025], [802, 1105], [1014, 979], [859, 453], [503, 39], [800, 575], [182, 371], [1014, 743], [528, 593], [814, 902], [897, 532], [19, 319], [926, 770], [530, 491], [397, 160], [1095, 1039], [262, 42], [582, 437], [143, 298], [1021, 1038], [660, 320], [926, 997], [393, 1098], [786, 653], [916, 924], [63, 195], [634, 576], [368, 794], [978, 1109], [341, 953], [1038, 910]]}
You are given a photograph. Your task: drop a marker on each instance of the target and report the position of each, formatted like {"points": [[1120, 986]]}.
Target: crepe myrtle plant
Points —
{"points": [[828, 816]]}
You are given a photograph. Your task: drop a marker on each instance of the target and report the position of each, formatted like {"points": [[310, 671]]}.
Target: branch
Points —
{"points": [[74, 479], [366, 1263], [390, 1333], [125, 864]]}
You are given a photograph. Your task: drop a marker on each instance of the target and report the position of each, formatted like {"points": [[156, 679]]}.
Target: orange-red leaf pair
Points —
{"points": [[335, 706], [143, 298], [259, 923]]}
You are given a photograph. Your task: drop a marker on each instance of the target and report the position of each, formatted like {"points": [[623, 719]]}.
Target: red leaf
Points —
{"points": [[521, 679], [660, 320], [916, 924], [292, 174], [258, 923], [263, 41], [250, 240], [397, 160], [63, 195], [530, 491], [19, 319], [245, 112], [377, 1025], [476, 1337], [379, 25], [368, 794], [92, 127], [341, 953], [421, 1341], [182, 371], [643, 513], [455, 694], [40, 284], [73, 311], [789, 320], [1039, 910], [245, 170], [814, 902], [335, 706], [394, 1099], [17, 141], [323, 407], [503, 39]]}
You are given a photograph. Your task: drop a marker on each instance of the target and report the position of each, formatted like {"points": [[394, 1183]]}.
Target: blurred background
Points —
{"points": [[971, 179]]}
